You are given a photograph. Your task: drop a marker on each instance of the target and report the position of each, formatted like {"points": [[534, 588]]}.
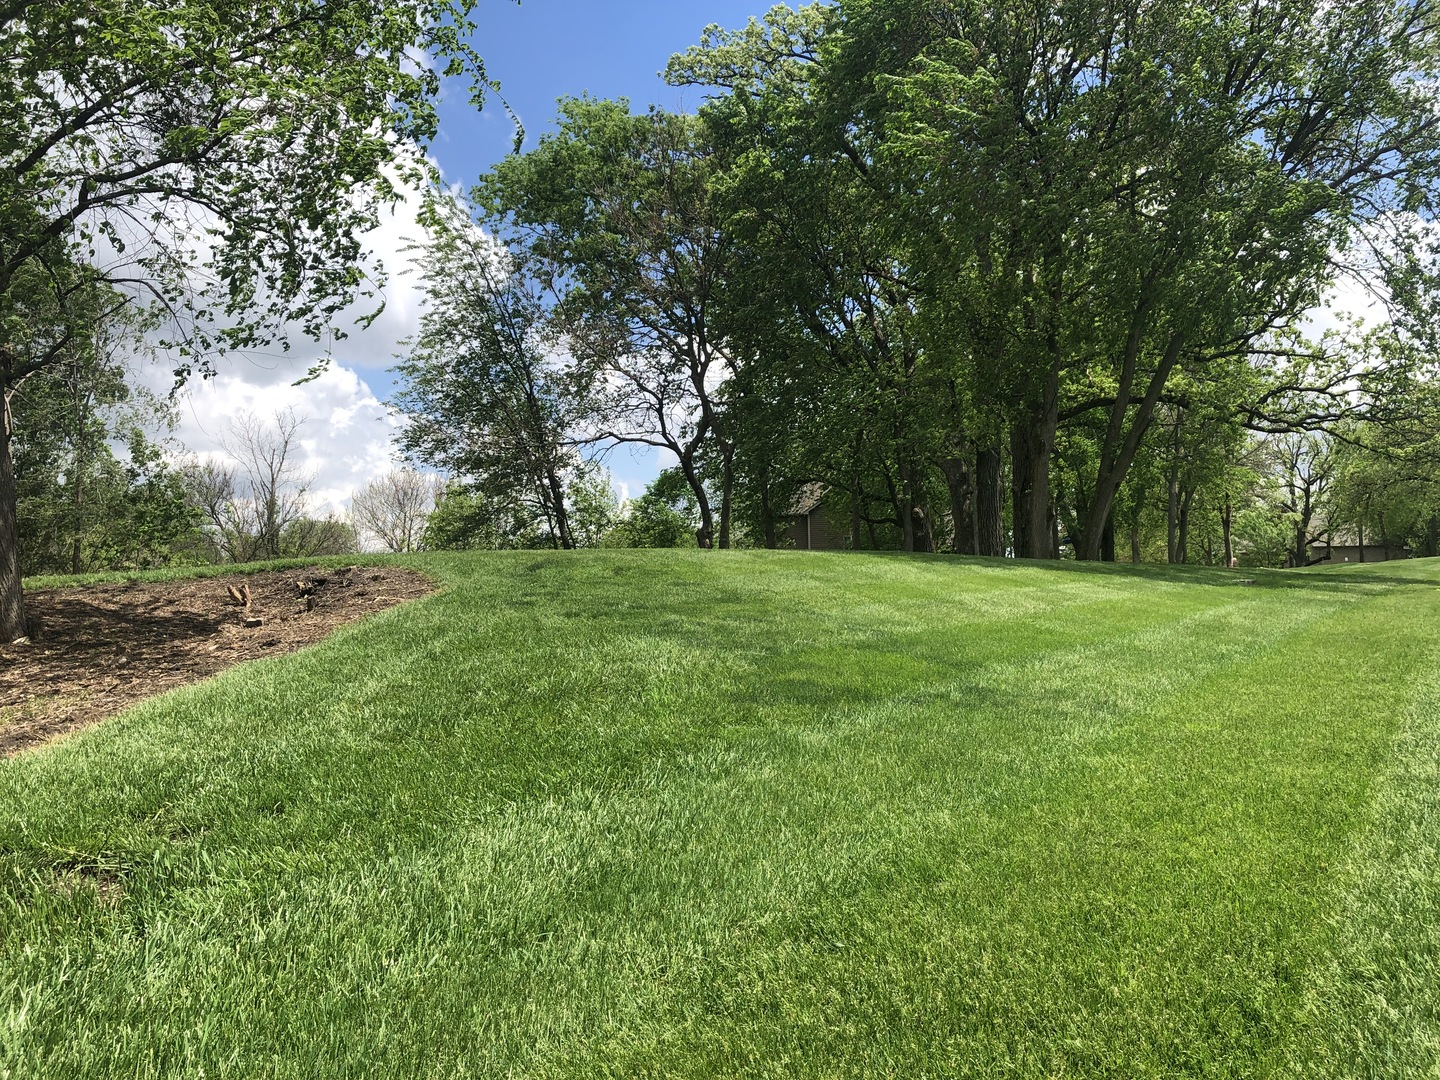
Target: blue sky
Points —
{"points": [[541, 50]]}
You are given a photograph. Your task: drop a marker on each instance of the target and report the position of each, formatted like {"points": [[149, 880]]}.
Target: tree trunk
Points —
{"points": [[1360, 535], [561, 517], [926, 531], [727, 492], [77, 506], [12, 598], [1119, 449], [767, 514], [989, 522], [1432, 536], [1107, 541], [705, 534], [1172, 513], [1183, 528], [1135, 544], [1301, 555], [1031, 444], [907, 509], [962, 516], [1227, 523]]}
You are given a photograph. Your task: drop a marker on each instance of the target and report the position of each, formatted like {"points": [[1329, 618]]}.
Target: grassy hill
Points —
{"points": [[763, 814]]}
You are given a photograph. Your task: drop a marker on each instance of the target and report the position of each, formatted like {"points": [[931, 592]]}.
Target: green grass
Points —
{"points": [[758, 814]]}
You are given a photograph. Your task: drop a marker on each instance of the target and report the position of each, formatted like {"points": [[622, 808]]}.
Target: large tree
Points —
{"points": [[1075, 215], [222, 159], [1147, 191]]}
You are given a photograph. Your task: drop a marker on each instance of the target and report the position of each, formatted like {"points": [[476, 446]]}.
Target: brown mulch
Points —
{"points": [[100, 648]]}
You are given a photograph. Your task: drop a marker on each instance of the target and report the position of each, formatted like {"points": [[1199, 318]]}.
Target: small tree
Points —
{"points": [[484, 395], [259, 507], [616, 211], [272, 487], [469, 519], [595, 511], [663, 517], [394, 508]]}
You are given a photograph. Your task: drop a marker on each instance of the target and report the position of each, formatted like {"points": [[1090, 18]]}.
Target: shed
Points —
{"points": [[811, 526], [1357, 553]]}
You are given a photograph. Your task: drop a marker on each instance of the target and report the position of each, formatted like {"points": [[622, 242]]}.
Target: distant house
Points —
{"points": [[1356, 553], [812, 527]]}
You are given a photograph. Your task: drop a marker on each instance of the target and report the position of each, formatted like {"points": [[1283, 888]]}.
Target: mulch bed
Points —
{"points": [[100, 648]]}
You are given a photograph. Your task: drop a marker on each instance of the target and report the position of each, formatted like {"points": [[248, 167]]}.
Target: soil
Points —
{"points": [[97, 649]]}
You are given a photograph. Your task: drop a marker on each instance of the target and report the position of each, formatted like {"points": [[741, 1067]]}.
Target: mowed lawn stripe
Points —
{"points": [[561, 821], [1372, 1007], [1008, 874]]}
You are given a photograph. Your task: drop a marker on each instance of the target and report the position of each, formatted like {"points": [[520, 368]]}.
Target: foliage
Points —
{"points": [[94, 490], [220, 162], [973, 228], [483, 397], [595, 510], [614, 213], [467, 519], [130, 129], [665, 516]]}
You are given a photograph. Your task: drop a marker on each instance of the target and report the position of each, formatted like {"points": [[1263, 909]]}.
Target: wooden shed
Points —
{"points": [[811, 527]]}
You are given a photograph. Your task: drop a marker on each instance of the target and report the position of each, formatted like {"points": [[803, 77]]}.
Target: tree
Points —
{"points": [[220, 159], [999, 220], [269, 497], [466, 519], [393, 508], [664, 516], [1173, 187], [93, 491], [483, 393], [258, 507], [615, 211], [819, 312], [595, 511], [1303, 471]]}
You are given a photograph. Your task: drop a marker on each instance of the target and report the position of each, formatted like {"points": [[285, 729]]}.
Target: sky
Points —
{"points": [[539, 50]]}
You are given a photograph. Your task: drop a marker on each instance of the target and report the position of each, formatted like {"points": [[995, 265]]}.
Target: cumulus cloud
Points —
{"points": [[348, 437], [344, 442]]}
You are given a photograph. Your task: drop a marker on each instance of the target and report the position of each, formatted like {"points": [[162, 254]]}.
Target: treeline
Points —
{"points": [[997, 278], [103, 485]]}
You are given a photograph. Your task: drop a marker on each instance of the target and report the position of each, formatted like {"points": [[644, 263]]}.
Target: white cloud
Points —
{"points": [[345, 441]]}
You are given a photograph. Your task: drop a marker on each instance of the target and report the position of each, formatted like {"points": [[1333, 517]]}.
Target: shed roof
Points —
{"points": [[808, 499]]}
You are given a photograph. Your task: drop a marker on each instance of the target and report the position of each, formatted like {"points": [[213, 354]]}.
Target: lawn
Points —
{"points": [[758, 814]]}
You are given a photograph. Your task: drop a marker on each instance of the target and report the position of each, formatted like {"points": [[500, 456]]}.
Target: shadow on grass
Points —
{"points": [[1245, 576]]}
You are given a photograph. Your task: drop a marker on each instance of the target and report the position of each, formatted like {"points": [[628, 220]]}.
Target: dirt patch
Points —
{"points": [[100, 648]]}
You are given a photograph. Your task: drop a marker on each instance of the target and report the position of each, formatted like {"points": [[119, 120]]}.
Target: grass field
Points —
{"points": [[758, 814]]}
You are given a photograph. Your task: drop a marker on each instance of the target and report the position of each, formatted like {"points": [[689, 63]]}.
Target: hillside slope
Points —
{"points": [[763, 814]]}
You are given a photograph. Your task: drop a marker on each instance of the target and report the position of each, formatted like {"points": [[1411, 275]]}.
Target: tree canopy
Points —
{"points": [[920, 255]]}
